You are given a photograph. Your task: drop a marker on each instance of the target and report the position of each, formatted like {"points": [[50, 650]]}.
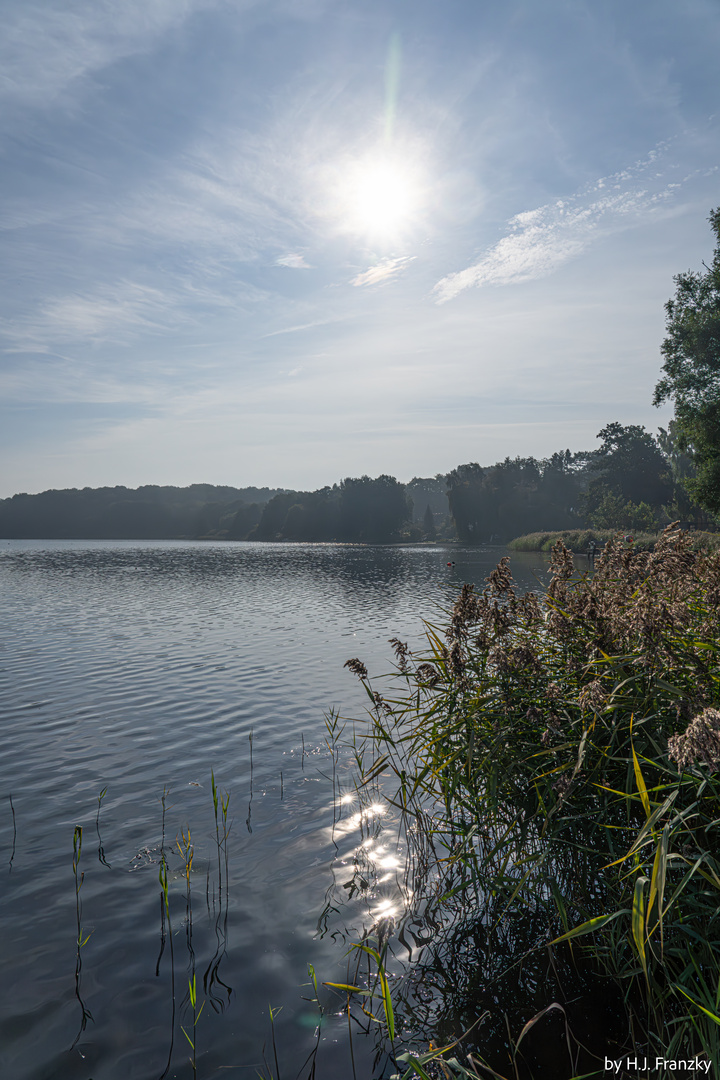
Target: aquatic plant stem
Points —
{"points": [[12, 853], [101, 850], [77, 852], [165, 914]]}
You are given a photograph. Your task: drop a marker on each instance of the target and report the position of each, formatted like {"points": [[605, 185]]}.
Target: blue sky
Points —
{"points": [[286, 242]]}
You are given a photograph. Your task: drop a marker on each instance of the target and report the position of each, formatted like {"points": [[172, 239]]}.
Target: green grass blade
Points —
{"points": [[638, 920], [387, 1002], [641, 783], [712, 1015], [590, 926]]}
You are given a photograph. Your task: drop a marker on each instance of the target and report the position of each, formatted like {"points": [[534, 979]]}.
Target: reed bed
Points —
{"points": [[579, 540], [576, 540], [556, 764]]}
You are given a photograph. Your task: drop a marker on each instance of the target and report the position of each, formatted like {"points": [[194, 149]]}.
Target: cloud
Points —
{"points": [[308, 326], [294, 262], [123, 311], [45, 48], [540, 241], [382, 271], [110, 312]]}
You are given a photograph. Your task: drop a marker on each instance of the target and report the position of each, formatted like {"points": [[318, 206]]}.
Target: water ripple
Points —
{"points": [[139, 668]]}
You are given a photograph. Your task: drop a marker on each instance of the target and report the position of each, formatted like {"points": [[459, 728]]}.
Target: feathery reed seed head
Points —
{"points": [[700, 741], [357, 667]]}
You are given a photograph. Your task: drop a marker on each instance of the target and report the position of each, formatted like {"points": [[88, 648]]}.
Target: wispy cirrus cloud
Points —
{"points": [[45, 48], [540, 241], [293, 262], [108, 313], [119, 312], [382, 271]]}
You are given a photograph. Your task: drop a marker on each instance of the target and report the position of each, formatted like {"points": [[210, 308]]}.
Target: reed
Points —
{"points": [[216, 990], [556, 764], [248, 819], [165, 918], [101, 849], [579, 539], [81, 940], [192, 994], [186, 849], [14, 840]]}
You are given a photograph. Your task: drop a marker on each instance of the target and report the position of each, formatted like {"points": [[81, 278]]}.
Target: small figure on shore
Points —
{"points": [[592, 548]]}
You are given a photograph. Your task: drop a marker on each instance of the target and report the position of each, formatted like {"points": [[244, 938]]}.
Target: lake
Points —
{"points": [[134, 669]]}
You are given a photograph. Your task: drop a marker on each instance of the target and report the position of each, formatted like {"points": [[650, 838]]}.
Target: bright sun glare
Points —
{"points": [[379, 198]]}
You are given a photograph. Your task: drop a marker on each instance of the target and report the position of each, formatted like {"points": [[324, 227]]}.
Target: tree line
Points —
{"points": [[150, 512], [634, 481]]}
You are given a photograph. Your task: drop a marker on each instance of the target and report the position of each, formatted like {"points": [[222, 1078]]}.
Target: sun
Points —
{"points": [[383, 197], [379, 198]]}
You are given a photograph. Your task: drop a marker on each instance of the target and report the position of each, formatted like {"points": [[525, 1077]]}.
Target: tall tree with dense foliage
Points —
{"points": [[631, 480], [373, 511], [682, 468], [516, 495], [691, 371], [300, 515]]}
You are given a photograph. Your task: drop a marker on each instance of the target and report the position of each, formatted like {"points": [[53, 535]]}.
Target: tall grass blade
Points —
{"points": [[640, 781], [638, 921]]}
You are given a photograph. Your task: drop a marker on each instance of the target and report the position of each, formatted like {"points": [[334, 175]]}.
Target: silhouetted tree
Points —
{"points": [[429, 523], [516, 495], [373, 510], [148, 512], [244, 520], [428, 491], [469, 501], [270, 526]]}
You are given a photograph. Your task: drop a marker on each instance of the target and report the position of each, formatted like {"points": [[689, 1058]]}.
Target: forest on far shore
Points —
{"points": [[634, 481]]}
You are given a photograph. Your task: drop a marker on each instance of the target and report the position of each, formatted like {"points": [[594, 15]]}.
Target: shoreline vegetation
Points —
{"points": [[634, 483], [579, 541], [556, 762]]}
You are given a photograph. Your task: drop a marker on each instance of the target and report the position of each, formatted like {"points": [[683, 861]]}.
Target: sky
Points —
{"points": [[282, 242]]}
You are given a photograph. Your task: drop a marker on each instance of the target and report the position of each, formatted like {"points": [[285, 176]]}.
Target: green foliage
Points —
{"points": [[630, 480], [312, 516], [579, 540], [515, 495], [683, 469], [358, 510], [373, 510], [557, 762], [611, 513], [428, 491], [119, 513], [246, 518], [691, 371]]}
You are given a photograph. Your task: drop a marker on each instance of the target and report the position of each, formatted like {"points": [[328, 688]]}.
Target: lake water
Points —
{"points": [[136, 668]]}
